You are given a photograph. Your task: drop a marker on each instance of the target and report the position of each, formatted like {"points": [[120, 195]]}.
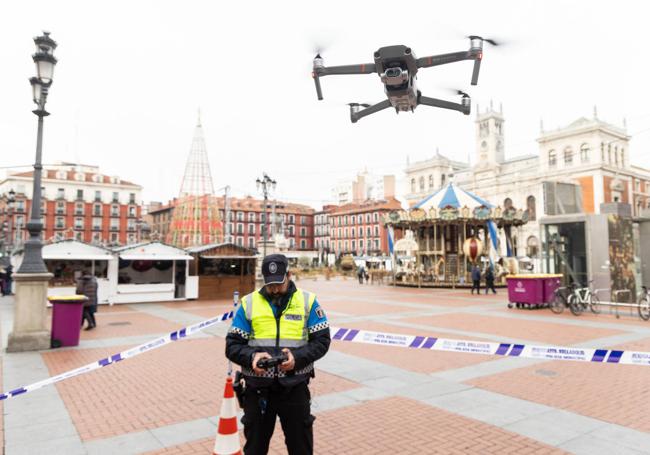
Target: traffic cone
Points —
{"points": [[227, 442]]}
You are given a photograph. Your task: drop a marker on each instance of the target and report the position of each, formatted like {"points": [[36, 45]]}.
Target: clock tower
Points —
{"points": [[489, 136]]}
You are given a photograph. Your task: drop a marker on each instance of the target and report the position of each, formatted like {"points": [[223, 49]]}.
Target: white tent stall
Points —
{"points": [[149, 272], [67, 259]]}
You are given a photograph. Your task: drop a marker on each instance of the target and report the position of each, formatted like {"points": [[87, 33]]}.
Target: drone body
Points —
{"points": [[397, 67]]}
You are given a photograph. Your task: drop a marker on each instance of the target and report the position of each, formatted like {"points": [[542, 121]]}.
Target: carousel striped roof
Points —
{"points": [[454, 196]]}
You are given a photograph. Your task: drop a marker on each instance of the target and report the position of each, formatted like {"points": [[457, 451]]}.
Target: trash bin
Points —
{"points": [[66, 319], [532, 290]]}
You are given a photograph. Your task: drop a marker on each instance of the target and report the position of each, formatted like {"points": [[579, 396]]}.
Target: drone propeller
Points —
{"points": [[358, 105], [455, 91], [486, 40]]}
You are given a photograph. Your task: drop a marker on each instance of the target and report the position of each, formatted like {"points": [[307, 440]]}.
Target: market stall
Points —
{"points": [[220, 269], [452, 229], [68, 259], [150, 272]]}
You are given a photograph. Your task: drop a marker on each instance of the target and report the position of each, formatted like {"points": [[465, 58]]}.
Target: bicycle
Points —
{"points": [[560, 300], [644, 304], [582, 298]]}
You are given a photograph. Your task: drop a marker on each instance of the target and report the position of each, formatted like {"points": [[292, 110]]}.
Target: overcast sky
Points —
{"points": [[131, 75]]}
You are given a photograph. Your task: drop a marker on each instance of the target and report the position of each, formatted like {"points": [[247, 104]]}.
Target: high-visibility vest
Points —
{"points": [[292, 324]]}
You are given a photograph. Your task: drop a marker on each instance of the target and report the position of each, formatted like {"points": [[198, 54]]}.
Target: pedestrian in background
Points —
{"points": [[489, 280], [87, 285], [476, 279]]}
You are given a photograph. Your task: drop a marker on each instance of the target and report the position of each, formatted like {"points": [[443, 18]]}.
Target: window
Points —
{"points": [[353, 245], [20, 221], [251, 229], [251, 242], [442, 180], [116, 197], [115, 210], [552, 158], [361, 245], [568, 156], [114, 237], [291, 231], [616, 156], [251, 216], [20, 206], [622, 157], [367, 218], [376, 231], [412, 185], [377, 244], [240, 216], [80, 195], [97, 237], [79, 208], [98, 196], [292, 219], [368, 231], [240, 227], [60, 208], [303, 244], [303, 219], [97, 224], [131, 198], [60, 193], [240, 241], [530, 208], [131, 210], [359, 219], [430, 180], [78, 223], [59, 222], [130, 224], [115, 224], [292, 243], [43, 207], [97, 210], [375, 217], [303, 232], [79, 236], [421, 183], [584, 153], [352, 232]]}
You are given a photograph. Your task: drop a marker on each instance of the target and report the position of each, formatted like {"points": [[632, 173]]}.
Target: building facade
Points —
{"points": [[358, 228], [245, 221], [77, 202], [577, 168], [363, 187]]}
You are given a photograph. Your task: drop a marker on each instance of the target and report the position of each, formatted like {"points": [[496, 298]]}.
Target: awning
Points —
{"points": [[155, 257], [78, 257]]}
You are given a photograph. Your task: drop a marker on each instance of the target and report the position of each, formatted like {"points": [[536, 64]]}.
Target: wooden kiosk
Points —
{"points": [[222, 268]]}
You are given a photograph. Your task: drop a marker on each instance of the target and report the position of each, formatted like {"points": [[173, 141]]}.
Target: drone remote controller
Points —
{"points": [[274, 361]]}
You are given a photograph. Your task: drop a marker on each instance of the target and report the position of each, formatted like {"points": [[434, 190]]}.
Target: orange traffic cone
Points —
{"points": [[227, 442]]}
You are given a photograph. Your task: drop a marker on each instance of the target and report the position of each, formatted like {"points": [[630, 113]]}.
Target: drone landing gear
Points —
{"points": [[356, 113], [464, 107]]}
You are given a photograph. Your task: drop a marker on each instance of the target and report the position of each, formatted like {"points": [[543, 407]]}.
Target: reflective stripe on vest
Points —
{"points": [[293, 321]]}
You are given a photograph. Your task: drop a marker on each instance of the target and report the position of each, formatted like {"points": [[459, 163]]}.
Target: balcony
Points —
{"points": [[115, 228], [78, 227], [115, 214], [59, 226], [97, 228]]}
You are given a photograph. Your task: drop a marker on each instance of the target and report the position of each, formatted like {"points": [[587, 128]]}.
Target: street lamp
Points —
{"points": [[45, 62], [7, 235], [266, 184]]}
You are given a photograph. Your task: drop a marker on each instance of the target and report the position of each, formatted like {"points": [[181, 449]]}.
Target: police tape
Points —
{"points": [[377, 338], [489, 348], [129, 353]]}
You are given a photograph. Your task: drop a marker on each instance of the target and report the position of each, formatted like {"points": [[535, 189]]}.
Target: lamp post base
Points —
{"points": [[31, 332]]}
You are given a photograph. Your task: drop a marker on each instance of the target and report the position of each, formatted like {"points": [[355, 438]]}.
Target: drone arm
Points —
{"points": [[319, 92], [477, 67], [443, 59], [364, 68], [434, 102], [355, 116]]}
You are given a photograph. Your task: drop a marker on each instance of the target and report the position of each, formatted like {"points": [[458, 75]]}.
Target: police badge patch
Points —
{"points": [[293, 317], [320, 313]]}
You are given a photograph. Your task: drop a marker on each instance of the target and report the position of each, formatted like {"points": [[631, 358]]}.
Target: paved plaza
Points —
{"points": [[367, 399]]}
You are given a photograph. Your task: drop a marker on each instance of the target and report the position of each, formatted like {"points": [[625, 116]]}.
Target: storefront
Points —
{"points": [[220, 269], [151, 272]]}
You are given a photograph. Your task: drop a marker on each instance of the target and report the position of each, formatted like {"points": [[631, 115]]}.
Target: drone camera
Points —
{"points": [[394, 76]]}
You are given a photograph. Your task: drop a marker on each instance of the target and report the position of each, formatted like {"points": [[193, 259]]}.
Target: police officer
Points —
{"points": [[278, 319]]}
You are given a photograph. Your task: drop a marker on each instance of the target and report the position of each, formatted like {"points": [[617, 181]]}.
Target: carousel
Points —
{"points": [[446, 233]]}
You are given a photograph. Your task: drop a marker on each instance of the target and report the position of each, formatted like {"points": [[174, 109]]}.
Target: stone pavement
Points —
{"points": [[367, 399]]}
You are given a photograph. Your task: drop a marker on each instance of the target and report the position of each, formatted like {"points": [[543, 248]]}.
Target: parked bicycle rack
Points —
{"points": [[616, 302]]}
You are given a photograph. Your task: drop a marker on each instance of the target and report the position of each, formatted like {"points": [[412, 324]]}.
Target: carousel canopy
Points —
{"points": [[454, 196]]}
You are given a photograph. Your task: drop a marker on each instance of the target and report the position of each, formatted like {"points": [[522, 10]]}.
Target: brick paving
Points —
{"points": [[182, 383]]}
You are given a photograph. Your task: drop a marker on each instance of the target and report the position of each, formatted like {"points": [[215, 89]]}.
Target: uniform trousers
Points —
{"points": [[292, 405]]}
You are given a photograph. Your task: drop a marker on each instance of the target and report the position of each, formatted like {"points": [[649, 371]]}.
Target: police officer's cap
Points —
{"points": [[274, 268]]}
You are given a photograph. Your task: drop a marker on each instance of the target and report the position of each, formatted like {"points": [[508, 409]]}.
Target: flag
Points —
{"points": [[494, 252], [391, 239]]}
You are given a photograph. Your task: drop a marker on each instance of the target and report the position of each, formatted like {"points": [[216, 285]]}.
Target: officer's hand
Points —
{"points": [[256, 358], [290, 363]]}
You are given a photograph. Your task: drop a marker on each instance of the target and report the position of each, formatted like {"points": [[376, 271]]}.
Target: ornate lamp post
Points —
{"points": [[45, 62], [30, 331], [7, 235], [266, 184]]}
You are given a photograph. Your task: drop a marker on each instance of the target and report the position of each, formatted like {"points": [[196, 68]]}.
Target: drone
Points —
{"points": [[397, 67]]}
